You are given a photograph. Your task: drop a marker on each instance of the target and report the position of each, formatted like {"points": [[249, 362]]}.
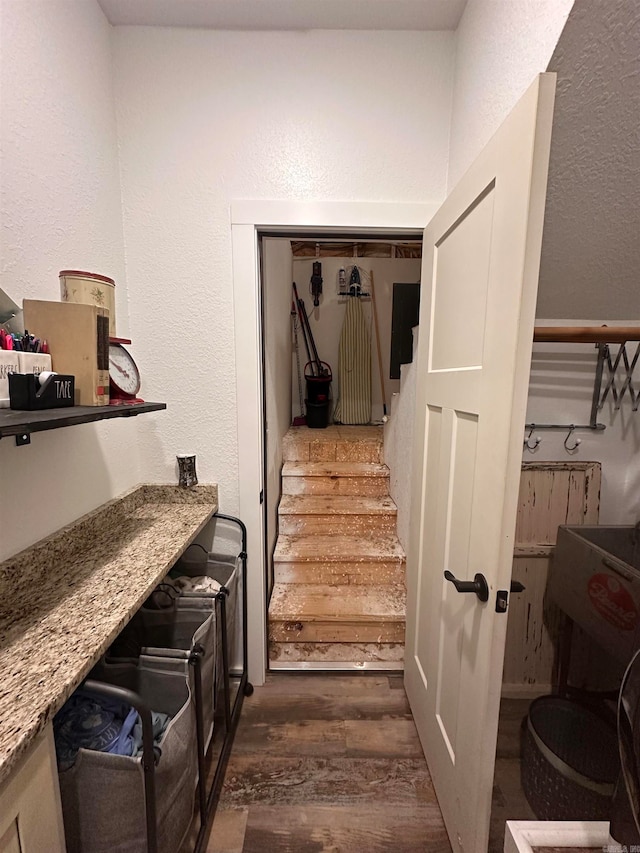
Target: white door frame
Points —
{"points": [[247, 219]]}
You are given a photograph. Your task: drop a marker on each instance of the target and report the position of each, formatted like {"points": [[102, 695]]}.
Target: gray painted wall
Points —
{"points": [[591, 247]]}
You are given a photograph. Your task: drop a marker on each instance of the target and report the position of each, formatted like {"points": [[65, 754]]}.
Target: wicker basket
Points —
{"points": [[569, 761]]}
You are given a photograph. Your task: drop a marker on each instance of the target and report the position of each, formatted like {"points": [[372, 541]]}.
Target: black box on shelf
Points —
{"points": [[26, 393]]}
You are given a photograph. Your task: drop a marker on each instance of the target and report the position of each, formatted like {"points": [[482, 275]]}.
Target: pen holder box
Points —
{"points": [[25, 391], [34, 362], [9, 363]]}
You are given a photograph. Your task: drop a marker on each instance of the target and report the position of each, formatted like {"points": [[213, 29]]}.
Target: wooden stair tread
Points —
{"points": [[334, 469], [335, 505], [324, 603], [338, 549]]}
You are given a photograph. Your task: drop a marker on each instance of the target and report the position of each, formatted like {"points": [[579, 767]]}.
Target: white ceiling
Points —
{"points": [[591, 244], [288, 14]]}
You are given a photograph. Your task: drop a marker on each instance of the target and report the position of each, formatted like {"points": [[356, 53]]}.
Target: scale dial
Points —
{"points": [[123, 371]]}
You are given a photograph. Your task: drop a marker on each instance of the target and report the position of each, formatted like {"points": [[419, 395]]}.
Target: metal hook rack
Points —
{"points": [[615, 387], [571, 447], [536, 439]]}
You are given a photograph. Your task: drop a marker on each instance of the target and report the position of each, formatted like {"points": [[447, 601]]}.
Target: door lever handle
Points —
{"points": [[516, 586], [478, 585]]}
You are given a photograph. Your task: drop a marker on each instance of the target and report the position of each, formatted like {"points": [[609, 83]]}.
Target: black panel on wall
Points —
{"points": [[405, 315]]}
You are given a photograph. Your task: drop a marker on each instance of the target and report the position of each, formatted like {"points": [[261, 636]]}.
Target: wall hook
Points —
{"points": [[536, 441], [571, 447]]}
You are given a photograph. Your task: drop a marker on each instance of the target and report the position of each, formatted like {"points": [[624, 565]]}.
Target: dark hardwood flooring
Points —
{"points": [[327, 764]]}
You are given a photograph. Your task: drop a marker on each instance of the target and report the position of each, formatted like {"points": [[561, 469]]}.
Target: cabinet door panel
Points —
{"points": [[30, 811]]}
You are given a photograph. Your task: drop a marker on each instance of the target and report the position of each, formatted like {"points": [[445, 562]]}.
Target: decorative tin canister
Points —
{"points": [[187, 476], [89, 288]]}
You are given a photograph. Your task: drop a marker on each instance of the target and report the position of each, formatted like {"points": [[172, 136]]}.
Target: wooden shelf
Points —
{"points": [[21, 424], [586, 334]]}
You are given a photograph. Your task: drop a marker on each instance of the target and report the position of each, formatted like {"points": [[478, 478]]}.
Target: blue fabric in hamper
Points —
{"points": [[91, 721]]}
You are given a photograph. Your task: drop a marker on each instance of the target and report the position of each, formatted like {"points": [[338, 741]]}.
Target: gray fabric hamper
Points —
{"points": [[103, 795], [173, 632], [228, 574], [223, 563]]}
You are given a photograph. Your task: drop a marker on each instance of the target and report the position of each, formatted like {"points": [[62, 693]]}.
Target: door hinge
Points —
{"points": [[261, 496]]}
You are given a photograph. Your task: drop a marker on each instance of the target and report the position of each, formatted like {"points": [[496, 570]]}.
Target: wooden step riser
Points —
{"points": [[336, 652], [339, 525], [329, 451], [335, 632], [367, 487], [339, 573]]}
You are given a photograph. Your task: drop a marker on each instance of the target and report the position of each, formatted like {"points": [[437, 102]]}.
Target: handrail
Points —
{"points": [[586, 334]]}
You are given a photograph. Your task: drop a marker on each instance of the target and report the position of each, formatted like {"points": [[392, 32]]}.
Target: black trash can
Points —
{"points": [[317, 414]]}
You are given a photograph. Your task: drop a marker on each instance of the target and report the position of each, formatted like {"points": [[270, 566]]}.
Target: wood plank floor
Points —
{"points": [[327, 764]]}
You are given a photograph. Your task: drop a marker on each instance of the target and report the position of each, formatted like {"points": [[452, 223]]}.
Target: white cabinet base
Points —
{"points": [[30, 810]]}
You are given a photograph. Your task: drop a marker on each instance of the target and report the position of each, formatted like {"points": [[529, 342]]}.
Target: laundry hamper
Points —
{"points": [[569, 761], [103, 796], [175, 632], [225, 564], [225, 604]]}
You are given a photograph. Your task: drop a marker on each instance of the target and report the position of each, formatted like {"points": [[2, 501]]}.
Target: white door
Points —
{"points": [[479, 283]]}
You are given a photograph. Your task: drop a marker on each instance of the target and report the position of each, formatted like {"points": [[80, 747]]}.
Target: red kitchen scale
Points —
{"points": [[124, 376]]}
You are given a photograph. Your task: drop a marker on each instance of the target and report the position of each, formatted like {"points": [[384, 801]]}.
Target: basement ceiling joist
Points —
{"points": [[309, 249]]}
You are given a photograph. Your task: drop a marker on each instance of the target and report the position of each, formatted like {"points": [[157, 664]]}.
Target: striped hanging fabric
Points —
{"points": [[354, 367]]}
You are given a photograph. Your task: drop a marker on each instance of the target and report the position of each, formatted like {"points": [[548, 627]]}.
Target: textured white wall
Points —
{"points": [[500, 46], [206, 117], [60, 208], [326, 320], [277, 263]]}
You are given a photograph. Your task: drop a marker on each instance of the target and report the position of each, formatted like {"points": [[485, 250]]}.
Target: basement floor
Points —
{"points": [[327, 764]]}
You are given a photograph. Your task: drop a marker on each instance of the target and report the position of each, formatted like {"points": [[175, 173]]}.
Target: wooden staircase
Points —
{"points": [[339, 595]]}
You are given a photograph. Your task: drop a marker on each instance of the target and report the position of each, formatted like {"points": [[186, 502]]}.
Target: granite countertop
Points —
{"points": [[64, 600]]}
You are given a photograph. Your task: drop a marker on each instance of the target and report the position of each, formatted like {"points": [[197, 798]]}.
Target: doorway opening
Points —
{"points": [[334, 567], [248, 219]]}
